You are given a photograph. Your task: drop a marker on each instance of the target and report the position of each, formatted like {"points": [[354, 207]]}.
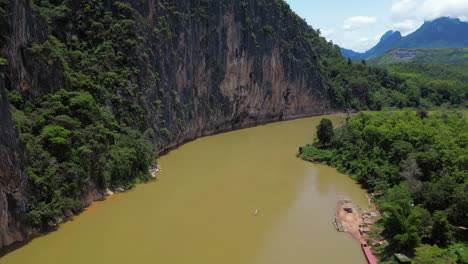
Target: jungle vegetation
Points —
{"points": [[95, 130], [414, 164]]}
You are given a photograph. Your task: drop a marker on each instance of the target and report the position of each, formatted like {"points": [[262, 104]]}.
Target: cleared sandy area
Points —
{"points": [[351, 221]]}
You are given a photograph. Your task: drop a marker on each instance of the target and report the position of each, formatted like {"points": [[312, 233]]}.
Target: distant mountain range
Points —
{"points": [[444, 32], [435, 56]]}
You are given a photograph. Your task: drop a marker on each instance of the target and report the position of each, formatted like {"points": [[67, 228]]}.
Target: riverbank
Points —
{"points": [[92, 193], [408, 160], [200, 210], [354, 220]]}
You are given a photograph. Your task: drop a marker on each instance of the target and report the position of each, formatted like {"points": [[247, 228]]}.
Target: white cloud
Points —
{"points": [[327, 32], [403, 8], [407, 26], [436, 8], [409, 14], [357, 22], [360, 40], [363, 39]]}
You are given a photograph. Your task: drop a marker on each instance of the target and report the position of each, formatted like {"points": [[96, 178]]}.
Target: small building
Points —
{"points": [[402, 258]]}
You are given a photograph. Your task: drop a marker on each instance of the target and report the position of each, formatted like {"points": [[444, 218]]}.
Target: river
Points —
{"points": [[200, 211]]}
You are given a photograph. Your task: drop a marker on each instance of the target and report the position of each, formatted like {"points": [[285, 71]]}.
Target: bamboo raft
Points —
{"points": [[339, 225]]}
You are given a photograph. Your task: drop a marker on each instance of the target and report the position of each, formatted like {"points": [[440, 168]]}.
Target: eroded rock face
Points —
{"points": [[250, 63], [18, 31], [242, 63], [12, 179]]}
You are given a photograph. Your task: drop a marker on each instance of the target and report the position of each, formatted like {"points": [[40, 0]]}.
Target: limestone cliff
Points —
{"points": [[18, 31], [200, 67]]}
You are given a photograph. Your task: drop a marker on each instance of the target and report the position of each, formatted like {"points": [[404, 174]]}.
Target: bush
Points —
{"points": [[325, 131], [415, 166]]}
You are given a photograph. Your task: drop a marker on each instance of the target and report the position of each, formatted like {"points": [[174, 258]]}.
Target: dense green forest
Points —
{"points": [[96, 126], [415, 166], [69, 140], [429, 85], [433, 56], [355, 85]]}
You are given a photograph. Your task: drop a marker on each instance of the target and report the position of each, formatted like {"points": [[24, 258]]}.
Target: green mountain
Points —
{"points": [[444, 32], [91, 91], [436, 56]]}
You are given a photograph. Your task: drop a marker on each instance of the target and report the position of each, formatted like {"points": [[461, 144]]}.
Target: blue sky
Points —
{"points": [[359, 24]]}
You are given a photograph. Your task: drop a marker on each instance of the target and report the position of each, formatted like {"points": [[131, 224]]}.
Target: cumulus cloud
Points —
{"points": [[409, 14], [436, 8], [327, 32], [404, 8], [358, 22], [359, 41], [407, 26], [363, 39]]}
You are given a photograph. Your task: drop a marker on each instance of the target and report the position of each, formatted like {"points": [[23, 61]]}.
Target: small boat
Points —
{"points": [[368, 253], [255, 212]]}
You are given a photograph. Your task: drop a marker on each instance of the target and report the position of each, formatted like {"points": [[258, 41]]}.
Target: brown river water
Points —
{"points": [[200, 211]]}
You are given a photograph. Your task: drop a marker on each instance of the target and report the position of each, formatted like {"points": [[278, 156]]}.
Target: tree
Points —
{"points": [[427, 254], [441, 230], [422, 113], [410, 171], [56, 139], [325, 131]]}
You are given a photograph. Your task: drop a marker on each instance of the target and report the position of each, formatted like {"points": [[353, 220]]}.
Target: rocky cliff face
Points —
{"points": [[18, 31], [236, 68], [200, 67], [12, 179]]}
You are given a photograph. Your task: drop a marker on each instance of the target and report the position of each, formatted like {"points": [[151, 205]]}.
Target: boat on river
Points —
{"points": [[368, 253]]}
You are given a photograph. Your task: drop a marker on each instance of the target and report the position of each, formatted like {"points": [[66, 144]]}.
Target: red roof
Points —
{"points": [[368, 253]]}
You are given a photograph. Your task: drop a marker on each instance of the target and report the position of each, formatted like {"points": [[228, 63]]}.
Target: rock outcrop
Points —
{"points": [[220, 65], [12, 179]]}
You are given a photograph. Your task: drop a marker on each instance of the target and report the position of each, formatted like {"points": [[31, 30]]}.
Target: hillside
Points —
{"points": [[435, 56], [414, 164], [443, 32], [388, 41], [92, 91]]}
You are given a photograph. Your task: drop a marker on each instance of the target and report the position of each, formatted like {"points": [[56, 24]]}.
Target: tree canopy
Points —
{"points": [[415, 164]]}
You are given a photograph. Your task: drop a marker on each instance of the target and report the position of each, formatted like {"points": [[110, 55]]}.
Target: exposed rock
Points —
{"points": [[154, 170], [109, 192], [403, 54], [221, 72], [119, 190], [12, 179]]}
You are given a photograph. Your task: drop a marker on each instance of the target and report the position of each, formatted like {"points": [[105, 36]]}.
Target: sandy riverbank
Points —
{"points": [[354, 220]]}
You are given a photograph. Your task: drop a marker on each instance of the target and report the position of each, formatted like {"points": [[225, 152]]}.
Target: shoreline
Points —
{"points": [[94, 195], [355, 220]]}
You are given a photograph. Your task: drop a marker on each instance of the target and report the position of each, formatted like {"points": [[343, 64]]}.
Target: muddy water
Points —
{"points": [[201, 209]]}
